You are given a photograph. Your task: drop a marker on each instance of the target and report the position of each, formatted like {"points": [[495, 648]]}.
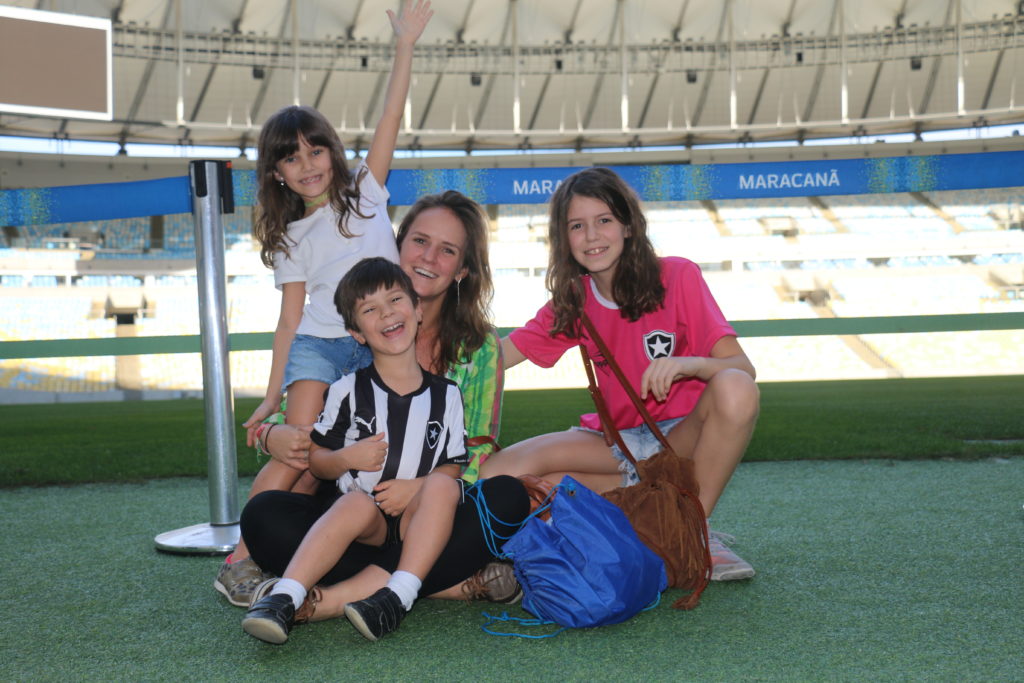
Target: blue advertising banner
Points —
{"points": [[663, 182]]}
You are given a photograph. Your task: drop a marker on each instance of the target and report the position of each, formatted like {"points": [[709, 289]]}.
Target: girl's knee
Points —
{"points": [[735, 395]]}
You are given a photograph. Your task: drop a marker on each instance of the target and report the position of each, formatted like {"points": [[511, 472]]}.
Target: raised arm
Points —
{"points": [[408, 27]]}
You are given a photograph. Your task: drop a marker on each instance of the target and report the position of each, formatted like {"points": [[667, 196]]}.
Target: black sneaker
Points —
{"points": [[270, 618], [377, 615]]}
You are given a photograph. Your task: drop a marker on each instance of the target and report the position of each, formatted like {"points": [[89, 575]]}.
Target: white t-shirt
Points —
{"points": [[320, 256]]}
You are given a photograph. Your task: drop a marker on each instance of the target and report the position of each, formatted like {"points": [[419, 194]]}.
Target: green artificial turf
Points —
{"points": [[900, 418], [867, 571]]}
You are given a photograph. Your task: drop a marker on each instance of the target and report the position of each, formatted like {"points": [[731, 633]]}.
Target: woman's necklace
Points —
{"points": [[318, 200]]}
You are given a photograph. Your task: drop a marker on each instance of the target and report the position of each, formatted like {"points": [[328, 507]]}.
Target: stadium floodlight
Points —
{"points": [[55, 64]]}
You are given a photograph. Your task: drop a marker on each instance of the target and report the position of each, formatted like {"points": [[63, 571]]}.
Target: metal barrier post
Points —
{"points": [[211, 196]]}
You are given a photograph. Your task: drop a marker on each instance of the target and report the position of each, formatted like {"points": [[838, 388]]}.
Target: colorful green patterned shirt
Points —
{"points": [[481, 381]]}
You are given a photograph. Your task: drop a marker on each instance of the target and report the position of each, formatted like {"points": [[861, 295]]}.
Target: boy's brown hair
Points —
{"points": [[365, 278]]}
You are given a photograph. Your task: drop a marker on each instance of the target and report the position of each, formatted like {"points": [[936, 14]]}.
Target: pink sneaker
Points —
{"points": [[725, 564]]}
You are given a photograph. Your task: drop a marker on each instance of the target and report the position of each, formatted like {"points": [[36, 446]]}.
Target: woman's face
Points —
{"points": [[433, 251]]}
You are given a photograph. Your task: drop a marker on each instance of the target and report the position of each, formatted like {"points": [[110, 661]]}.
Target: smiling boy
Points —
{"points": [[390, 420]]}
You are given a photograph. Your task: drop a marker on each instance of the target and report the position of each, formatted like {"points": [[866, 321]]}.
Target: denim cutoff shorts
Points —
{"points": [[640, 441], [324, 360]]}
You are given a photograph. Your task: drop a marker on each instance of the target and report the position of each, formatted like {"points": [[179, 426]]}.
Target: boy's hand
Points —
{"points": [[409, 26], [393, 496], [367, 455], [662, 372]]}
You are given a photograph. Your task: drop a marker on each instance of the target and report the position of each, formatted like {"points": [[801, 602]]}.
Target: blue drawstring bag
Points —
{"points": [[586, 566]]}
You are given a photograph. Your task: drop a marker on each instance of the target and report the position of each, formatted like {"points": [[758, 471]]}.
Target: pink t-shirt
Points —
{"points": [[688, 324]]}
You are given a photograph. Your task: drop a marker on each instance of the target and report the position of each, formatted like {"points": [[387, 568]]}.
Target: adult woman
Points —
{"points": [[442, 244]]}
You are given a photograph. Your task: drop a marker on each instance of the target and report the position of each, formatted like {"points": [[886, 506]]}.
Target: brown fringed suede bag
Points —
{"points": [[663, 507]]}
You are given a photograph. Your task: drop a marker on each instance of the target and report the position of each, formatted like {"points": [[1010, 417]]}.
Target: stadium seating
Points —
{"points": [[859, 256]]}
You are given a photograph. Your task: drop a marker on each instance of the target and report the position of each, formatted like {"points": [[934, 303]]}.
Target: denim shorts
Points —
{"points": [[641, 442], [324, 360]]}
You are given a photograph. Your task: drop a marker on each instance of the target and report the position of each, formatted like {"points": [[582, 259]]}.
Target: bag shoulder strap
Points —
{"points": [[630, 391], [611, 433]]}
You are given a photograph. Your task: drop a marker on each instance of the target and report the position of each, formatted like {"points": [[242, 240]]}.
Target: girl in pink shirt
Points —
{"points": [[668, 335]]}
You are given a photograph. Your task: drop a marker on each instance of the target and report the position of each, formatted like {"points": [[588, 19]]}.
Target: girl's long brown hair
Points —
{"points": [[465, 323], [278, 205], [636, 287]]}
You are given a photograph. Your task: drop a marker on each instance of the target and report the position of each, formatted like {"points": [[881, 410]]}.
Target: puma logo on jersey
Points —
{"points": [[368, 426], [659, 344], [434, 430]]}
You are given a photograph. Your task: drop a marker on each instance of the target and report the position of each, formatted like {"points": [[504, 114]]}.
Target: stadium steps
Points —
{"points": [[716, 218], [826, 212], [953, 223], [860, 347]]}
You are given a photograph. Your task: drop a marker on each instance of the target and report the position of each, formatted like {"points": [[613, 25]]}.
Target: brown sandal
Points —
{"points": [[305, 613]]}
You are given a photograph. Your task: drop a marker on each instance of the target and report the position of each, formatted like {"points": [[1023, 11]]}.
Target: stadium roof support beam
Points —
{"points": [[140, 91], [567, 38], [514, 15], [322, 90], [115, 14], [179, 105], [295, 53], [236, 24], [844, 86], [460, 33], [261, 93], [596, 92], [350, 31], [732, 66], [872, 89], [992, 78], [485, 96], [897, 22], [709, 73], [676, 30], [819, 71], [624, 75], [960, 106], [758, 95], [933, 74], [784, 32]]}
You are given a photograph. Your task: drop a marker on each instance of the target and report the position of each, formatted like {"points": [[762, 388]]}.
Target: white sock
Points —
{"points": [[292, 588], [406, 586]]}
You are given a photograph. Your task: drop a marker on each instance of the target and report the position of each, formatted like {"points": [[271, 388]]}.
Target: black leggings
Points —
{"points": [[274, 523]]}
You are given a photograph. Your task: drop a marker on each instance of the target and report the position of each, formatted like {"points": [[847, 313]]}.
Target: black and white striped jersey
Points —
{"points": [[423, 429]]}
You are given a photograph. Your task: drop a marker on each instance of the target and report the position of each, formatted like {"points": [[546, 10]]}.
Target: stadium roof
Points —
{"points": [[566, 74]]}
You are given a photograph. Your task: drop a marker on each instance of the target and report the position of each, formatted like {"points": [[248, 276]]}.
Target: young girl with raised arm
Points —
{"points": [[317, 219], [668, 335]]}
